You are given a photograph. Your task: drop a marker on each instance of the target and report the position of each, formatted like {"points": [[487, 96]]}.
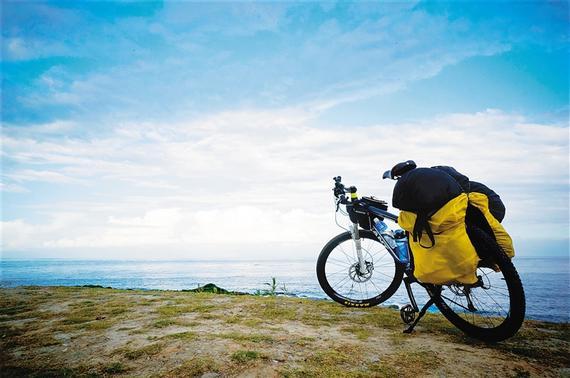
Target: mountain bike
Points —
{"points": [[366, 265]]}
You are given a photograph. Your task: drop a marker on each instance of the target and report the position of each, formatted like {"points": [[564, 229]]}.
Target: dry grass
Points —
{"points": [[62, 331]]}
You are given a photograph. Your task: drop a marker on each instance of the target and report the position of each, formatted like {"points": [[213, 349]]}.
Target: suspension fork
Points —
{"points": [[356, 234], [358, 244]]}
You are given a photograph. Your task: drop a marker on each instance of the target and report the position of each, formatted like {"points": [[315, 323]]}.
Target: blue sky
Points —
{"points": [[214, 128]]}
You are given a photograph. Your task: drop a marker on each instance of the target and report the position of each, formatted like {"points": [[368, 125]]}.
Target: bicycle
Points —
{"points": [[366, 265]]}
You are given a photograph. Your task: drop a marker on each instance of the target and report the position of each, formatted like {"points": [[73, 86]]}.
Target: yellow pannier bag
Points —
{"points": [[452, 258], [481, 201]]}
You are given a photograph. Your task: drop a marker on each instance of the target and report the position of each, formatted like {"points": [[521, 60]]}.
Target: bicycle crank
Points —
{"points": [[408, 314]]}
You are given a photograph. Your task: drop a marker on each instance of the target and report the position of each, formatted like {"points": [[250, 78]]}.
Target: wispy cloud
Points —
{"points": [[270, 172]]}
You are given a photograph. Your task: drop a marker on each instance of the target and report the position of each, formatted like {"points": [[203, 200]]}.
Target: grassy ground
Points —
{"points": [[68, 331]]}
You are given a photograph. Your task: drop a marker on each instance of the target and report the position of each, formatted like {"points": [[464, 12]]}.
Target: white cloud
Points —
{"points": [[17, 48], [12, 188], [264, 177], [40, 175]]}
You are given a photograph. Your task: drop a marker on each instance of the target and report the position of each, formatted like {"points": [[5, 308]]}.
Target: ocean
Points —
{"points": [[546, 280]]}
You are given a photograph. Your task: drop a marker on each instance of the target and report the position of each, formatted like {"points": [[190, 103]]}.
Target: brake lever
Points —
{"points": [[341, 201]]}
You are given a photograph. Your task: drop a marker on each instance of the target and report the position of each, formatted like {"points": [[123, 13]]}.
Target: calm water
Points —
{"points": [[546, 280]]}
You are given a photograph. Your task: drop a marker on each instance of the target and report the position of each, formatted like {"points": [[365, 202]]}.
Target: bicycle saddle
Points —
{"points": [[399, 169]]}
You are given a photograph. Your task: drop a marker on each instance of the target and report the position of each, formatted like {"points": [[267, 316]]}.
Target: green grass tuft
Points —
{"points": [[149, 350], [174, 310], [163, 323], [245, 356], [339, 361], [196, 367], [360, 332], [115, 368], [182, 336]]}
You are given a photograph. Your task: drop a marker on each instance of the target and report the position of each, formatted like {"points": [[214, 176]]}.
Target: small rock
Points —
{"points": [[210, 375]]}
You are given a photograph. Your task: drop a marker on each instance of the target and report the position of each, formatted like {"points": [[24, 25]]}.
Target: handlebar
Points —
{"points": [[340, 189], [339, 192]]}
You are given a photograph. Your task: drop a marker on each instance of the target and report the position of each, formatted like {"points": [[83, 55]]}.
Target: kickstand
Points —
{"points": [[420, 315]]}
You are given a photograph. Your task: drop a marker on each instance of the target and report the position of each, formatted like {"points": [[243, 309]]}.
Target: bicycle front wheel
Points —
{"points": [[494, 309], [340, 276]]}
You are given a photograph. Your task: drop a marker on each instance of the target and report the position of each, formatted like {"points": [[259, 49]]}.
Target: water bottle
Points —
{"points": [[402, 246], [382, 229], [389, 237], [380, 226]]}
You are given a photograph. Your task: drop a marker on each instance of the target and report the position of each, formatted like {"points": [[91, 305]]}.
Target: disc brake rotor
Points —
{"points": [[357, 276]]}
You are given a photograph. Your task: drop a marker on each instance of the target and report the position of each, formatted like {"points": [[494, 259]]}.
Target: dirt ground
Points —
{"points": [[71, 331]]}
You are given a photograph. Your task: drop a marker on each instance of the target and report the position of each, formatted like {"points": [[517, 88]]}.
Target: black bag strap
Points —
{"points": [[422, 223]]}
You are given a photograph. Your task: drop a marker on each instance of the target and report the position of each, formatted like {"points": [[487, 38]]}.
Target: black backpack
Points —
{"points": [[425, 190]]}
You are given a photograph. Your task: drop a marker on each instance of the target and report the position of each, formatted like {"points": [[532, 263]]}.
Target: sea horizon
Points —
{"points": [[220, 259], [541, 276]]}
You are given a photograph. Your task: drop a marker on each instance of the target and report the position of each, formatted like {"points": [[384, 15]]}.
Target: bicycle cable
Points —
{"points": [[342, 212]]}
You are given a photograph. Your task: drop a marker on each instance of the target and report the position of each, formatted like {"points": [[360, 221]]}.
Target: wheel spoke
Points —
{"points": [[486, 317], [338, 283], [340, 271], [493, 299], [347, 258], [498, 292], [453, 301], [338, 262], [373, 284]]}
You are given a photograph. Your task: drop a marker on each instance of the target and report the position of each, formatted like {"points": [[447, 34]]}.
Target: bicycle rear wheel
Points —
{"points": [[492, 310], [341, 279]]}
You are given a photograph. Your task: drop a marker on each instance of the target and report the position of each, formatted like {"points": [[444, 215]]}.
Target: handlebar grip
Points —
{"points": [[338, 191], [338, 187]]}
